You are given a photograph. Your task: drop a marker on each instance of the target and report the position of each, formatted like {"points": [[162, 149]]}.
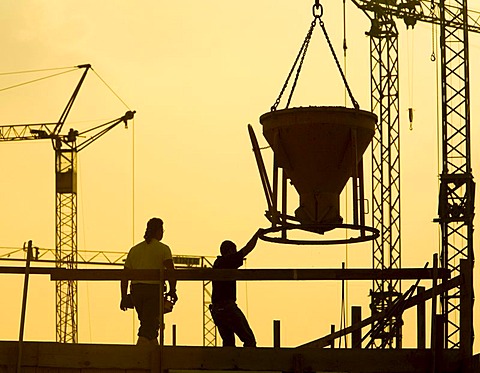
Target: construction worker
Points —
{"points": [[226, 315], [145, 294]]}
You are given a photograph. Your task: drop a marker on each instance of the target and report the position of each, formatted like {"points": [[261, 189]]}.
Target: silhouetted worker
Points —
{"points": [[149, 254], [228, 318]]}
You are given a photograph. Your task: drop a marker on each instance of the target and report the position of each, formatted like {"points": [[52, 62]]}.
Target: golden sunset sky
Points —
{"points": [[197, 73]]}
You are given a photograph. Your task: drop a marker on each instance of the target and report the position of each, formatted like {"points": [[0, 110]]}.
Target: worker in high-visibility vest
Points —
{"points": [[145, 294]]}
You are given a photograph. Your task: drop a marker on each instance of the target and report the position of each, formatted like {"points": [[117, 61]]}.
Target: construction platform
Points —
{"points": [[315, 356], [56, 357]]}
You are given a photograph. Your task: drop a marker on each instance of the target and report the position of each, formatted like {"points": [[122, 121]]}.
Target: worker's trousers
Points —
{"points": [[146, 299], [230, 320]]}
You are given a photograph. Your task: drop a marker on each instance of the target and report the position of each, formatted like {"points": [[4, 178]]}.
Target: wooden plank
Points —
{"points": [[21, 270], [8, 355], [51, 370], [421, 323], [475, 363], [320, 360], [276, 333], [248, 274], [466, 308], [80, 358], [28, 370], [356, 334], [99, 370]]}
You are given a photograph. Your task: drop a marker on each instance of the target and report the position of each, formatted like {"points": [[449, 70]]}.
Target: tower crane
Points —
{"points": [[456, 197], [66, 147]]}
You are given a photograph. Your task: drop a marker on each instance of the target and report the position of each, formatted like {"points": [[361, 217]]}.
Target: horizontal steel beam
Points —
{"points": [[96, 257], [232, 274], [20, 132]]}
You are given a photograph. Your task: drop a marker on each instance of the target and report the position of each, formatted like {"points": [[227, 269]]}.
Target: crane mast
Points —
{"points": [[66, 240], [66, 149], [456, 197], [385, 169], [457, 189]]}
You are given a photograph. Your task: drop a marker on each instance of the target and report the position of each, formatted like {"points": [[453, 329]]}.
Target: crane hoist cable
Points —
{"points": [[67, 70], [38, 70], [317, 11], [343, 312], [432, 14], [344, 303], [344, 12], [111, 90], [410, 63], [34, 80]]}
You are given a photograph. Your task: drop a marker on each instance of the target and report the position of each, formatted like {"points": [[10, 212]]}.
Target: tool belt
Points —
{"points": [[221, 305]]}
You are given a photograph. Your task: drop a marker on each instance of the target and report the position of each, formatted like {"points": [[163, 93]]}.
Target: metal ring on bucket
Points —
{"points": [[374, 233]]}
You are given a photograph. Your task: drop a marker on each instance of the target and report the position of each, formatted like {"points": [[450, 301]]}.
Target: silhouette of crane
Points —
{"points": [[66, 147], [456, 199], [457, 188]]}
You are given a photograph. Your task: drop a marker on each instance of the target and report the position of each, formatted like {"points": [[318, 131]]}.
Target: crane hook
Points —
{"points": [[317, 10]]}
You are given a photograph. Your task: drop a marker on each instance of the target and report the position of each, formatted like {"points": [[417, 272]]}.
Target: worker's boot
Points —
{"points": [[142, 341]]}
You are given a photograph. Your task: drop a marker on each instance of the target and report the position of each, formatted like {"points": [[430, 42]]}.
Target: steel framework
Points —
{"points": [[66, 242], [385, 168], [66, 149], [456, 199], [209, 328], [457, 189]]}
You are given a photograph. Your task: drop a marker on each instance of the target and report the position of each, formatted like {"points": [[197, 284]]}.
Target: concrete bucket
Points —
{"points": [[319, 148]]}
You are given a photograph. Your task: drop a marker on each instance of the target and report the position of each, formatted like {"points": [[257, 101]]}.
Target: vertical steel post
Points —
{"points": [[421, 320], [24, 307], [466, 311], [276, 333], [356, 334], [174, 335]]}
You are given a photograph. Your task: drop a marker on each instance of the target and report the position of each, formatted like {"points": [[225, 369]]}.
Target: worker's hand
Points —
{"points": [[173, 295], [261, 232], [123, 304]]}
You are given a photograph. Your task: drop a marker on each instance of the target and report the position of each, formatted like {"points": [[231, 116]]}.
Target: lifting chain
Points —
{"points": [[317, 11], [300, 56]]}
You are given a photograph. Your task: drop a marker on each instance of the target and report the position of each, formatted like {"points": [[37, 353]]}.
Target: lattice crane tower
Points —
{"points": [[66, 148], [456, 199]]}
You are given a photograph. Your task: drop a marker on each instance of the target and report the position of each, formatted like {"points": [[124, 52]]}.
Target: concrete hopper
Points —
{"points": [[319, 149]]}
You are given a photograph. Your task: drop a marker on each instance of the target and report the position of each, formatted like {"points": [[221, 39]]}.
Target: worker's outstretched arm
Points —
{"points": [[172, 289], [251, 244]]}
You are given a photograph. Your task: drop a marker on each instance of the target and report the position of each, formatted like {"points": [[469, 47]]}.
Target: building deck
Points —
{"points": [[52, 357]]}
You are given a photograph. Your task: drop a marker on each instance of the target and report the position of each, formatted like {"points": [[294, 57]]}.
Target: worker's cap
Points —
{"points": [[227, 247]]}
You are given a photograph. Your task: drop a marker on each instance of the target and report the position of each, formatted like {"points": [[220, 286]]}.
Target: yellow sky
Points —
{"points": [[196, 73]]}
